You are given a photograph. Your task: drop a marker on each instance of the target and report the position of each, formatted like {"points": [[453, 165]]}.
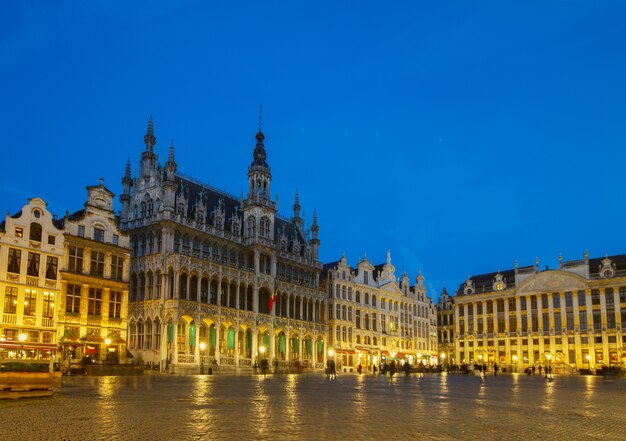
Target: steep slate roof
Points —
{"points": [[594, 264], [484, 282], [212, 196]]}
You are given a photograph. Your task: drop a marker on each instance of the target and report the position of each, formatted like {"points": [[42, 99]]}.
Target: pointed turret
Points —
{"points": [[148, 158], [296, 207], [149, 138], [127, 183], [170, 165], [169, 186], [315, 242]]}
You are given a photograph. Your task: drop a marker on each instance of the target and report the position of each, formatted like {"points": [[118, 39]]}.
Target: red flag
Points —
{"points": [[273, 298]]}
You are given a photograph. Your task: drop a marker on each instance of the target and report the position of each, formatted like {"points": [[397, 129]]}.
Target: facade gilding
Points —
{"points": [[570, 318]]}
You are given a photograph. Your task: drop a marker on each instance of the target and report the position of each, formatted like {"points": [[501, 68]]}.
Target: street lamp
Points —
{"points": [[107, 342], [202, 348], [588, 358], [515, 362], [22, 339], [263, 360], [548, 368]]}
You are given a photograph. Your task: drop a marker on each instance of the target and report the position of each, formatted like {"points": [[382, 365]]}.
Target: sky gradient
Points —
{"points": [[461, 135]]}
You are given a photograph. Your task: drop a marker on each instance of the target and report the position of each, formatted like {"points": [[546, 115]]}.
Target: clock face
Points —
{"points": [[500, 286]]}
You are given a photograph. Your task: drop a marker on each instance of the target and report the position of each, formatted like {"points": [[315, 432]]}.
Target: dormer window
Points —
{"points": [[81, 231], [35, 232], [98, 234], [19, 232]]}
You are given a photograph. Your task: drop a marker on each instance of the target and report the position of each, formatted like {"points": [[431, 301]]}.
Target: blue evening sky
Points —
{"points": [[463, 135]]}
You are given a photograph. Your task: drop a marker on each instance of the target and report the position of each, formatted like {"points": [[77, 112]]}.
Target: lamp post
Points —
{"points": [[202, 348], [515, 362], [107, 342], [548, 368], [22, 338], [263, 360], [588, 358]]}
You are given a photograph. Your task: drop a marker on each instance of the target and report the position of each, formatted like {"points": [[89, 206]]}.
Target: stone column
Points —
{"points": [[236, 327], [218, 330]]}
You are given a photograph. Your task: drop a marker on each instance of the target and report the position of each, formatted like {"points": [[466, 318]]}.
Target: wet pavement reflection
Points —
{"points": [[302, 407]]}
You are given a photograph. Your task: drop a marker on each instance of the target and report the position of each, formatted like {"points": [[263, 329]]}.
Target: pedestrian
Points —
{"points": [[533, 370], [374, 368], [328, 369], [359, 368], [495, 369], [407, 369], [333, 371], [540, 370], [392, 368]]}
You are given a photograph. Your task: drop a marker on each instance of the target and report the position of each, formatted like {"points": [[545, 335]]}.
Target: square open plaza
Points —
{"points": [[128, 308], [312, 407]]}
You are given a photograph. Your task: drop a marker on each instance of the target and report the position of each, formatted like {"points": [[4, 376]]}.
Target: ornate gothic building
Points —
{"points": [[206, 266]]}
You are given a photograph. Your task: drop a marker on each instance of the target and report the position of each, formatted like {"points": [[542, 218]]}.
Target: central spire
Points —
{"points": [[259, 154]]}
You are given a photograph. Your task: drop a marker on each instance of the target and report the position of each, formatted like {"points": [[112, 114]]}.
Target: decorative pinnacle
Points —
{"points": [[260, 118], [171, 157], [149, 138], [127, 172], [296, 205]]}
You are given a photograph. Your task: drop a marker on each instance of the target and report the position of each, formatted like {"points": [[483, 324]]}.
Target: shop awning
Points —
{"points": [[362, 349], [385, 353], [344, 351]]}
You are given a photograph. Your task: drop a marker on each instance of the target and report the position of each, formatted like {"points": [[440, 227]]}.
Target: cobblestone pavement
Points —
{"points": [[309, 407]]}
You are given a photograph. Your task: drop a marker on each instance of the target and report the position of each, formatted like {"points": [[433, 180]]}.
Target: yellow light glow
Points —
{"points": [[331, 352], [107, 341], [202, 346], [22, 337], [262, 349]]}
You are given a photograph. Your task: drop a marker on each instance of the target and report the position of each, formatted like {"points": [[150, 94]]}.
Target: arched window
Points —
{"points": [[265, 227], [367, 299], [373, 300], [337, 290], [35, 232], [251, 226], [357, 297], [143, 209], [140, 335], [343, 292]]}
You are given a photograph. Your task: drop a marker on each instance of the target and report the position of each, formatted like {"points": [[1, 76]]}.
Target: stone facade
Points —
{"points": [[219, 280], [93, 307], [571, 318], [373, 317], [445, 329], [31, 250]]}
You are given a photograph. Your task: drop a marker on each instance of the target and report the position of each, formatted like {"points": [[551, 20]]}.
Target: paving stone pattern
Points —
{"points": [[310, 407]]}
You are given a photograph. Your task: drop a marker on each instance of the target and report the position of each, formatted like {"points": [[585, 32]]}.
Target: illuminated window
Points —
{"points": [[10, 300], [19, 232], [48, 304], [30, 302]]}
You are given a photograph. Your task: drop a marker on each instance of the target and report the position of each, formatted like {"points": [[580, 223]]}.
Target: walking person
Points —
{"points": [[495, 369], [333, 371]]}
